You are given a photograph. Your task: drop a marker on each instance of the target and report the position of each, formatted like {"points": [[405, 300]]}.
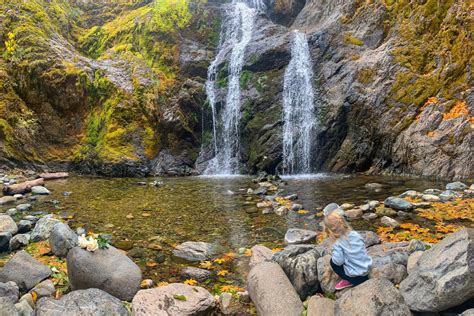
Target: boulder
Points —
{"points": [[272, 292], [300, 236], [43, 228], [354, 213], [393, 272], [371, 298], [413, 260], [23, 207], [370, 238], [7, 307], [321, 306], [390, 222], [21, 188], [398, 204], [389, 252], [326, 276], [24, 226], [444, 274], [7, 224], [9, 290], [260, 254], [173, 299], [299, 262], [44, 289], [62, 239], [24, 270], [197, 274], [84, 302], [40, 190], [18, 241], [5, 238], [456, 186], [106, 269], [430, 198], [196, 251]]}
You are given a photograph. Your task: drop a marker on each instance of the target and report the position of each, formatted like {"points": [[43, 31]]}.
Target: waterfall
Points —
{"points": [[298, 108], [235, 35]]}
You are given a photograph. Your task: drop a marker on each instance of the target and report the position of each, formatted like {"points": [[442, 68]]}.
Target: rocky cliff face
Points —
{"points": [[118, 89]]}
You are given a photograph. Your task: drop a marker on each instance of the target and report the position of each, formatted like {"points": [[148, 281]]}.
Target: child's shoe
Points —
{"points": [[342, 285]]}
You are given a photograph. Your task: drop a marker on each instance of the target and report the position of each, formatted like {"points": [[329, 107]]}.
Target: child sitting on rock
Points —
{"points": [[349, 257]]}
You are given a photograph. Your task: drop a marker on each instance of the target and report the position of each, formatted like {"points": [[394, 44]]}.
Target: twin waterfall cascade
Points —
{"points": [[235, 35], [298, 108]]}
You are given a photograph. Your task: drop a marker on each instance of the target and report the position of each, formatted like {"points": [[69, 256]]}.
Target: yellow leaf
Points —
{"points": [[190, 282]]}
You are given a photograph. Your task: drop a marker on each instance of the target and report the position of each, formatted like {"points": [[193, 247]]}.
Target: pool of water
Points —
{"points": [[202, 209]]}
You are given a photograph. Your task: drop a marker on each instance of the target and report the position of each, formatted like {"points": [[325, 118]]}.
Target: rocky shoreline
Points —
{"points": [[431, 273]]}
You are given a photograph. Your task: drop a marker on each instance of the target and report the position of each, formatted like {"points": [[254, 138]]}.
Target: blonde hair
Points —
{"points": [[336, 226]]}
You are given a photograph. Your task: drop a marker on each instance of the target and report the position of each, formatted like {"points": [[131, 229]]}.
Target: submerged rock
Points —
{"points": [[300, 265], [105, 269], [443, 276], [271, 291], [24, 270], [173, 299], [373, 297], [83, 302], [196, 251], [300, 236]]}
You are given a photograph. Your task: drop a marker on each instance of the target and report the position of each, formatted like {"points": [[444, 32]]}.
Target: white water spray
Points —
{"points": [[298, 108], [236, 34]]}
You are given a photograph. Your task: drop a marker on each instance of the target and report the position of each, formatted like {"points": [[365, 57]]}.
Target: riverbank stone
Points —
{"points": [[43, 227], [299, 262], [196, 251], [456, 186], [260, 254], [398, 204], [443, 276], [173, 299], [197, 274], [24, 270], [82, 302], [272, 292], [373, 297], [300, 236], [321, 306], [62, 239], [106, 269], [9, 290], [7, 224]]}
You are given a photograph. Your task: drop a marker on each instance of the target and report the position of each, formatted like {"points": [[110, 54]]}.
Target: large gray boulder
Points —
{"points": [[83, 302], [260, 254], [7, 307], [397, 203], [62, 239], [300, 236], [326, 276], [106, 269], [9, 290], [24, 270], [443, 276], [372, 298], [300, 265], [196, 251], [173, 299], [7, 224], [320, 306], [271, 291], [43, 228]]}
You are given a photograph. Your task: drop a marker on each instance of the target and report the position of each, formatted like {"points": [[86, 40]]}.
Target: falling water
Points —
{"points": [[298, 108], [236, 34]]}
